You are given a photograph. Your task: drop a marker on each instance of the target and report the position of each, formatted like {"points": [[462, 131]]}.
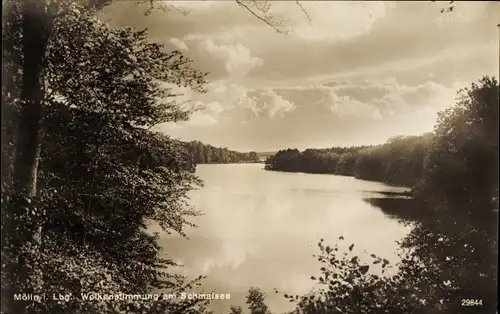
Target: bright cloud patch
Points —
{"points": [[331, 20], [207, 115], [346, 107], [179, 44], [391, 97], [275, 104], [267, 103], [238, 59], [225, 93]]}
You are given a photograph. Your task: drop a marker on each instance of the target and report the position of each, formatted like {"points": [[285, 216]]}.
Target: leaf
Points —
{"points": [[376, 262], [313, 278], [351, 246], [341, 238], [364, 269]]}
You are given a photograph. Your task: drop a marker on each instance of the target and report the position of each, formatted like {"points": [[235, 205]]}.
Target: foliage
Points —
{"points": [[398, 162], [236, 310], [462, 165], [207, 154], [459, 184], [102, 173], [255, 301], [418, 285], [347, 285], [429, 278]]}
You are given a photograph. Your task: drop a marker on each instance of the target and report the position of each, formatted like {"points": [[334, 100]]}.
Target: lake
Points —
{"points": [[260, 228]]}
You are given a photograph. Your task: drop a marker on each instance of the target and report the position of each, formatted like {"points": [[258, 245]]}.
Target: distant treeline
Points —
{"points": [[399, 161], [208, 154]]}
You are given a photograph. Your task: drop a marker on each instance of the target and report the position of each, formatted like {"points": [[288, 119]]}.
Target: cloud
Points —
{"points": [[225, 93], [179, 44], [376, 99], [267, 102], [275, 103], [200, 119], [221, 100], [225, 36], [390, 93], [238, 59], [235, 102], [335, 20], [208, 108], [208, 115], [345, 107], [393, 98]]}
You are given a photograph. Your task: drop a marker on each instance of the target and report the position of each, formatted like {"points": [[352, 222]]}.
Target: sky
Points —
{"points": [[357, 73]]}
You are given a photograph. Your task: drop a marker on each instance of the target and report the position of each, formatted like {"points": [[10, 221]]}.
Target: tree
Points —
{"points": [[236, 310], [256, 301], [462, 167], [29, 31], [103, 172]]}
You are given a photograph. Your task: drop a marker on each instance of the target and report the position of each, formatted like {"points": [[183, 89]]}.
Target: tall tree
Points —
{"points": [[103, 172]]}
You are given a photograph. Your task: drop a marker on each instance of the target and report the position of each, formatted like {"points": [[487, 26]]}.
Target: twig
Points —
{"points": [[304, 10], [263, 19]]}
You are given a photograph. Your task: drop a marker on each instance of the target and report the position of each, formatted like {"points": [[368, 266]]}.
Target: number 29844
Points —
{"points": [[472, 302]]}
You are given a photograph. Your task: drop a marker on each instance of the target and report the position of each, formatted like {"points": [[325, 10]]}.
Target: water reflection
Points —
{"points": [[261, 228]]}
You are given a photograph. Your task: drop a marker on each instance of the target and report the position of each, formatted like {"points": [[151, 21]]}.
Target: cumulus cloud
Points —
{"points": [[226, 93], [238, 59], [371, 99], [208, 115], [268, 102], [276, 104], [222, 99], [235, 102], [179, 44], [345, 107]]}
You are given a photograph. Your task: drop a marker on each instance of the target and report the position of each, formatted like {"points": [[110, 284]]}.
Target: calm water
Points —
{"points": [[261, 228]]}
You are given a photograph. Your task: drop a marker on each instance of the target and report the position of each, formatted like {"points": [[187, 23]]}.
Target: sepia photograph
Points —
{"points": [[250, 157]]}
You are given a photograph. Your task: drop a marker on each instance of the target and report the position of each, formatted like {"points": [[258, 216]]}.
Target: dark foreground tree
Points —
{"points": [[103, 175]]}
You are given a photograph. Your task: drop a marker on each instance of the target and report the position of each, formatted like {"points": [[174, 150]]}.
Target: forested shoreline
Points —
{"points": [[400, 161], [82, 172], [207, 154]]}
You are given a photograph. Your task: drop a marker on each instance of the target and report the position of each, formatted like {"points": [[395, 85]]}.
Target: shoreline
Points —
{"points": [[408, 193]]}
